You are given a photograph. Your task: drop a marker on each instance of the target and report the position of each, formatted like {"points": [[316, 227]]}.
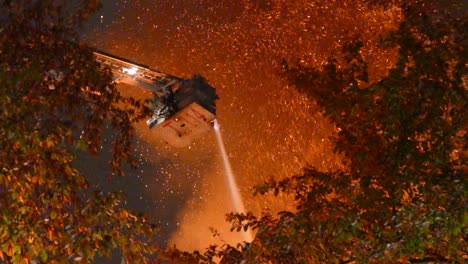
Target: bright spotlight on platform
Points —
{"points": [[130, 71]]}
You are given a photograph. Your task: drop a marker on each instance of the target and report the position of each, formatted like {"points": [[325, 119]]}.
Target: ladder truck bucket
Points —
{"points": [[186, 114], [183, 109]]}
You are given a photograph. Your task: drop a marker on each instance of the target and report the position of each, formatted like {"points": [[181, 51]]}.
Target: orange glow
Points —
{"points": [[270, 129]]}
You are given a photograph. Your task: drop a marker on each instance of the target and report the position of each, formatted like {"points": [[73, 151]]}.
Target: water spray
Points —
{"points": [[231, 181]]}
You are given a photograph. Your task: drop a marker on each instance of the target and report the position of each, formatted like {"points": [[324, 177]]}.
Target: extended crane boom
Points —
{"points": [[183, 109], [132, 73]]}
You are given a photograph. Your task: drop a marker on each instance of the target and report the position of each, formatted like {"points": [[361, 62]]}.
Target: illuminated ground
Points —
{"points": [[269, 129]]}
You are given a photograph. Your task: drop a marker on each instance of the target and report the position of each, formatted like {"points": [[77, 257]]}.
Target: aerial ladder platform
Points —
{"points": [[182, 109]]}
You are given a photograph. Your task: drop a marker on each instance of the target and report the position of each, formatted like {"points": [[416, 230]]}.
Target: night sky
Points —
{"points": [[270, 130]]}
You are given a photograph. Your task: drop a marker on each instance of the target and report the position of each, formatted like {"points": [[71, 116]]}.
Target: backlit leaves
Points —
{"points": [[54, 98]]}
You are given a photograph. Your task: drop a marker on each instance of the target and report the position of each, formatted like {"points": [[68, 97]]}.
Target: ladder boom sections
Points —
{"points": [[131, 73]]}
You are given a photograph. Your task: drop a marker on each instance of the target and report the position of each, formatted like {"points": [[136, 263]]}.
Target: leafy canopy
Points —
{"points": [[56, 99], [403, 197]]}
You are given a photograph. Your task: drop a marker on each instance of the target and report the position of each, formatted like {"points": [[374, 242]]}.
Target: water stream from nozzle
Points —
{"points": [[231, 181]]}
